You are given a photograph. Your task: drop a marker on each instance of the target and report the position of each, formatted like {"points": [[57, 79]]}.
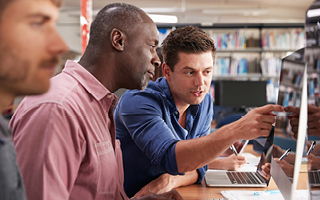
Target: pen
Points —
{"points": [[285, 154], [234, 150], [311, 147]]}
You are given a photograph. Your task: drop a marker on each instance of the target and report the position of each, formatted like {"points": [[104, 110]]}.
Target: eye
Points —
{"points": [[38, 22], [190, 73], [152, 47]]}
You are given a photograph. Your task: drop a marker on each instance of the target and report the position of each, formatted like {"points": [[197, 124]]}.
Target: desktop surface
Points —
{"points": [[201, 191]]}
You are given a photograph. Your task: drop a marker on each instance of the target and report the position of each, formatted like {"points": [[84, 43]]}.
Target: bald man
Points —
{"points": [[65, 139]]}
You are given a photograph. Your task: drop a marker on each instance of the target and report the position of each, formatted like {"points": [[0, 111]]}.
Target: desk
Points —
{"points": [[201, 191]]}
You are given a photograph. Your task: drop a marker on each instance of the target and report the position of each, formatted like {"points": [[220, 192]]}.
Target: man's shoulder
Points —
{"points": [[59, 93]]}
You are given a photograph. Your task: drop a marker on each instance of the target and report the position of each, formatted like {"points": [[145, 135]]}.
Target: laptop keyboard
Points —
{"points": [[314, 177], [243, 178]]}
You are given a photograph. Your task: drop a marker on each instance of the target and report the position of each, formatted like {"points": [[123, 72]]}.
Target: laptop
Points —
{"points": [[313, 174], [314, 178], [216, 178]]}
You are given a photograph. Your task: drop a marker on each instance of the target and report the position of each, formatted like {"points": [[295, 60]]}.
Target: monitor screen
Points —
{"points": [[288, 149], [246, 94]]}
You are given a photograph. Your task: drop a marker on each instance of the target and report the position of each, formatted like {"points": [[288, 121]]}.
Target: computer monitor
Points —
{"points": [[312, 59], [244, 94], [292, 92]]}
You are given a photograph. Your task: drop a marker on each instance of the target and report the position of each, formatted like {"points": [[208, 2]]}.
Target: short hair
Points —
{"points": [[117, 15], [5, 3], [188, 39]]}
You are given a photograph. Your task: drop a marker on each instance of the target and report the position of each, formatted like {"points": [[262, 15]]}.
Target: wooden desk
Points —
{"points": [[201, 191]]}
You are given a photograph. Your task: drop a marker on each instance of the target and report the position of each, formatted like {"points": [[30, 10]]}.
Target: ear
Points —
{"points": [[117, 39], [166, 71]]}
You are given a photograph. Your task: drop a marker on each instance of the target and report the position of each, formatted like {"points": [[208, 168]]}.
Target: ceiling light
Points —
{"points": [[163, 18], [313, 13]]}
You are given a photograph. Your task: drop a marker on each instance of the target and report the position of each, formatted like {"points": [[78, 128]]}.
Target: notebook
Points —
{"points": [[216, 178]]}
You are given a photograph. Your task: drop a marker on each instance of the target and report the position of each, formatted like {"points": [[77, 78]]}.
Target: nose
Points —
{"points": [[156, 60], [199, 80], [57, 45]]}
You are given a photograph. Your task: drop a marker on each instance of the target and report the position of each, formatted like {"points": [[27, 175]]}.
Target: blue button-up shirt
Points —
{"points": [[147, 124]]}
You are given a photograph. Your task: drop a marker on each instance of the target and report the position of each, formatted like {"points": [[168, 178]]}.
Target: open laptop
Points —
{"points": [[215, 178]]}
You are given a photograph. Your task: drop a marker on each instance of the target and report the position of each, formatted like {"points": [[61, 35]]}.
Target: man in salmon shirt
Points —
{"points": [[65, 139]]}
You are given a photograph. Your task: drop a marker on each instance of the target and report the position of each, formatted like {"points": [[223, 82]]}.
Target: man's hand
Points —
{"points": [[165, 196], [258, 122], [313, 162], [266, 172], [232, 163], [167, 182], [160, 185], [286, 167], [313, 119]]}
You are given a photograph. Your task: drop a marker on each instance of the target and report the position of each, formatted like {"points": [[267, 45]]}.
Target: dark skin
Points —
{"points": [[124, 54], [120, 54]]}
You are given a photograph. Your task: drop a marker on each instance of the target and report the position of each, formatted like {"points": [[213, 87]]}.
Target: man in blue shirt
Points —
{"points": [[164, 130]]}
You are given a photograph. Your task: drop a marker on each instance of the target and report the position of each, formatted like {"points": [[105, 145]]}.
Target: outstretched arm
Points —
{"points": [[203, 150]]}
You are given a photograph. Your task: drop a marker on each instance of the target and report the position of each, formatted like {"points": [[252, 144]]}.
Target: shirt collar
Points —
{"points": [[87, 80]]}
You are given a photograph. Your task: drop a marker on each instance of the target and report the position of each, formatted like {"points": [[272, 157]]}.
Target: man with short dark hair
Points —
{"points": [[164, 130], [65, 139]]}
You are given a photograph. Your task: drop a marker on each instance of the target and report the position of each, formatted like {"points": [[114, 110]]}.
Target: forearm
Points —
{"points": [[215, 164], [203, 150], [184, 180], [166, 182]]}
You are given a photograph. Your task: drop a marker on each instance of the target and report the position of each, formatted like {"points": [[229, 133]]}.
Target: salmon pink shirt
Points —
{"points": [[65, 140]]}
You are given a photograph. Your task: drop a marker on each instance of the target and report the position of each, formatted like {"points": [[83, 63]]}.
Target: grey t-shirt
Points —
{"points": [[11, 184]]}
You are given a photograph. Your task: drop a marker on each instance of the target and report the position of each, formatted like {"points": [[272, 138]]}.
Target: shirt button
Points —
{"points": [[176, 112], [109, 96]]}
